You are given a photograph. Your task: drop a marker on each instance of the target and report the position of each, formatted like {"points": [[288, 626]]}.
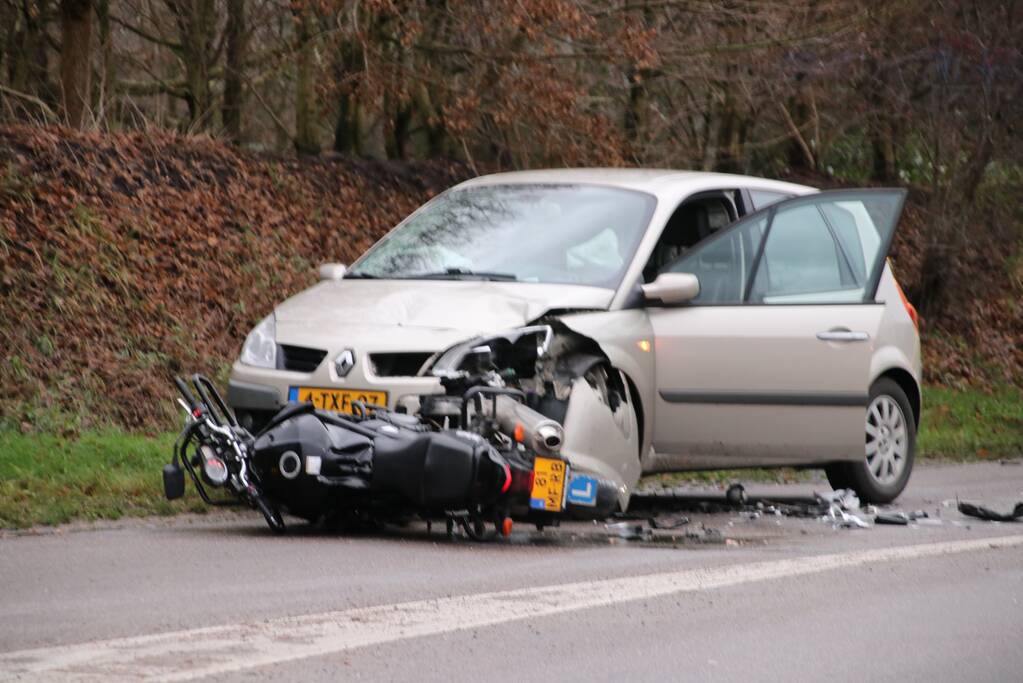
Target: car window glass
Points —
{"points": [[762, 198], [799, 255], [601, 250], [723, 264], [844, 229], [572, 234], [696, 219], [825, 250]]}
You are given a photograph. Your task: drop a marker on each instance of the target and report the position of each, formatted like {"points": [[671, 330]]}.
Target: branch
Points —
{"points": [[43, 107], [144, 88], [794, 130], [177, 47]]}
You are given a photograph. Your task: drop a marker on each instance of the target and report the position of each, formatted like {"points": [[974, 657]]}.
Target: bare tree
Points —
{"points": [[75, 58], [234, 70]]}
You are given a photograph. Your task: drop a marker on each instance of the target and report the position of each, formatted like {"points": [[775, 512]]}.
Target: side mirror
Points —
{"points": [[672, 288], [333, 271]]}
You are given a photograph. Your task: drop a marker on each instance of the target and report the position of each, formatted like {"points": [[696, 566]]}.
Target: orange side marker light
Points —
{"points": [[520, 433]]}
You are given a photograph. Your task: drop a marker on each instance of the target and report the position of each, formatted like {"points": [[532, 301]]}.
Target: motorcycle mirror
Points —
{"points": [[173, 482]]}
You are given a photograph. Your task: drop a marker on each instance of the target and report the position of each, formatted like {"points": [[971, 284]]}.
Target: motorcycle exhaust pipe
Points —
{"points": [[541, 433]]}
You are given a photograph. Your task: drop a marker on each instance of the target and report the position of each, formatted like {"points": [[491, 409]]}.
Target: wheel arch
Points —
{"points": [[909, 385], [637, 402]]}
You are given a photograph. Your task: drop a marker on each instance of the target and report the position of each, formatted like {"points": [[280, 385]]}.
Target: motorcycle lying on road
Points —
{"points": [[477, 457]]}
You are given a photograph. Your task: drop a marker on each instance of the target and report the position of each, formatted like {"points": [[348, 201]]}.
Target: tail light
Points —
{"points": [[913, 315], [521, 481]]}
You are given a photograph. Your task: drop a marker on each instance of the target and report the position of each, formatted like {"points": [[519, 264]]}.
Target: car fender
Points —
{"points": [[626, 338]]}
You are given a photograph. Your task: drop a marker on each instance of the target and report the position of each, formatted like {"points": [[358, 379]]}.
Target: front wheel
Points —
{"points": [[890, 447]]}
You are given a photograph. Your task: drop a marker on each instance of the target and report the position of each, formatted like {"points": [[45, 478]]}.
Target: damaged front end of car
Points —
{"points": [[520, 433]]}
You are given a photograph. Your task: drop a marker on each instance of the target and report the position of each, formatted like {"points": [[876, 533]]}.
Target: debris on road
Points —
{"points": [[669, 521], [735, 499], [630, 531], [895, 518], [845, 499], [981, 512], [736, 495], [841, 519]]}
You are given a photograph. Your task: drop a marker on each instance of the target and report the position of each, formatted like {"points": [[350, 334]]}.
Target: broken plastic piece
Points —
{"points": [[669, 521], [981, 512], [846, 499], [897, 518], [839, 518], [630, 531]]}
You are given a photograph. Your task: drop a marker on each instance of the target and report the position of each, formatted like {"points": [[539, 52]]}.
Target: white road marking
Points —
{"points": [[195, 653]]}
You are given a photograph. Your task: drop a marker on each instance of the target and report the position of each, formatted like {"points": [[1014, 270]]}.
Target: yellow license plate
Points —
{"points": [[548, 484], [337, 400]]}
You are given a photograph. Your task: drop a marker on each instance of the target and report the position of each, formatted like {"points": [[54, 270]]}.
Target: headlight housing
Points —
{"points": [[517, 349], [260, 347]]}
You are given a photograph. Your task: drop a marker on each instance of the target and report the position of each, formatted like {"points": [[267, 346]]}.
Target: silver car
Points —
{"points": [[697, 321]]}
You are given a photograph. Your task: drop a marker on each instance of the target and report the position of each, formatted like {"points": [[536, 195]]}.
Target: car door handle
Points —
{"points": [[842, 336]]}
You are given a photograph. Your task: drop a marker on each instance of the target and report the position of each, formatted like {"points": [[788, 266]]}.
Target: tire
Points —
{"points": [[890, 443]]}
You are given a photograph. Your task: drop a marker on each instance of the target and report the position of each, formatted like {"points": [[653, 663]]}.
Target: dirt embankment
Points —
{"points": [[125, 258]]}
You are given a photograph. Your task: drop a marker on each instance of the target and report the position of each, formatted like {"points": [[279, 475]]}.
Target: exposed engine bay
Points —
{"points": [[491, 450]]}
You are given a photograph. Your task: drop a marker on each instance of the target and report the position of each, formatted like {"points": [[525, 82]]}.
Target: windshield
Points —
{"points": [[571, 234]]}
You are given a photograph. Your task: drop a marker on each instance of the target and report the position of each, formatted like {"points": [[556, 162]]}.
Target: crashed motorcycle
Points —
{"points": [[478, 457]]}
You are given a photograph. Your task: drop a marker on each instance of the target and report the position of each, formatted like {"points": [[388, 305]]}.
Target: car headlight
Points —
{"points": [[518, 349], [260, 347]]}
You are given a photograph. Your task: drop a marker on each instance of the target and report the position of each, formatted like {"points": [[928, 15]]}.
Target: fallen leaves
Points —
{"points": [[137, 256]]}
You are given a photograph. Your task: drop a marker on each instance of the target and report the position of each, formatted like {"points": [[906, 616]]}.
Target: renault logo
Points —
{"points": [[344, 362]]}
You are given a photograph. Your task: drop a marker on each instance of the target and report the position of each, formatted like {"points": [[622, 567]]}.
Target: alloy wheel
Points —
{"points": [[887, 443]]}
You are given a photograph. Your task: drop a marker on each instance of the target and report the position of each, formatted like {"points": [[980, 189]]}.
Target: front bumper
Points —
{"points": [[265, 389]]}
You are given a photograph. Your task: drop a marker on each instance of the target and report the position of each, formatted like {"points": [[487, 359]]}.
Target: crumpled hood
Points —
{"points": [[393, 311]]}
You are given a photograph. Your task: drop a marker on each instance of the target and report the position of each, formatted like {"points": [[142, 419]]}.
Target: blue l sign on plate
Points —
{"points": [[582, 490]]}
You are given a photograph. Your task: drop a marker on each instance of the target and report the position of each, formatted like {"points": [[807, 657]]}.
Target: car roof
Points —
{"points": [[652, 180]]}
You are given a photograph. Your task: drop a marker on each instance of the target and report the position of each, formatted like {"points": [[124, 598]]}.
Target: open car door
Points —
{"points": [[770, 363]]}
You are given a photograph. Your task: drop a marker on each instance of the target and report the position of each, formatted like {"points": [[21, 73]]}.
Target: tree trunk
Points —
{"points": [[348, 126], [305, 107], [730, 137], [27, 67], [234, 95], [883, 147], [882, 134], [107, 72], [75, 58], [196, 20], [397, 141], [635, 110]]}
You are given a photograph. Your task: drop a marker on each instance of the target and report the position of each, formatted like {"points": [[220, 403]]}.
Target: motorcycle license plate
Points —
{"points": [[337, 400], [549, 478]]}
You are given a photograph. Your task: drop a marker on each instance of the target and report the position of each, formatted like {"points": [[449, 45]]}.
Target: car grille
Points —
{"points": [[405, 364], [299, 358]]}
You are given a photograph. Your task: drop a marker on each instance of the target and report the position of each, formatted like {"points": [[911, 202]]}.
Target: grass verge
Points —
{"points": [[98, 475], [108, 474], [970, 425]]}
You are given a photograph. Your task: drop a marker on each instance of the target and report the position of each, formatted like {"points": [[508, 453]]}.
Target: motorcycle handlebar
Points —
{"points": [[183, 389]]}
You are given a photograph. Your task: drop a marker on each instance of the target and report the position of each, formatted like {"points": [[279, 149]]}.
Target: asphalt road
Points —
{"points": [[781, 598]]}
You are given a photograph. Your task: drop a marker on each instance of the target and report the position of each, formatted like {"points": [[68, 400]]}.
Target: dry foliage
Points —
{"points": [[125, 258]]}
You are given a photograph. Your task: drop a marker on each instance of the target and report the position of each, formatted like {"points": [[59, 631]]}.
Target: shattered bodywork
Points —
{"points": [[569, 378]]}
